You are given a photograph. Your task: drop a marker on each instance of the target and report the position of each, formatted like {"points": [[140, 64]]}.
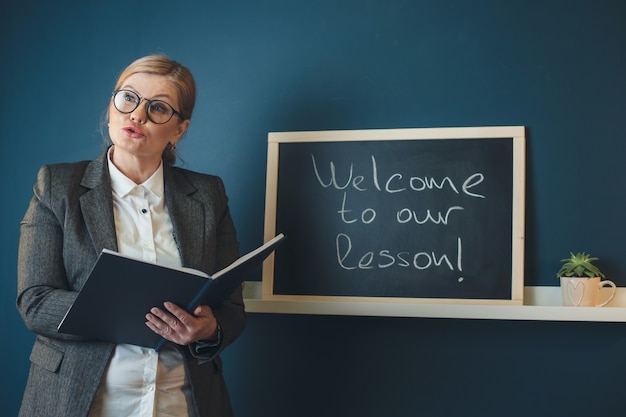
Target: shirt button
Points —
{"points": [[144, 211]]}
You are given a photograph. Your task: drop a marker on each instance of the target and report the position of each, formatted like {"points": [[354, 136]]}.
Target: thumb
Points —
{"points": [[202, 311]]}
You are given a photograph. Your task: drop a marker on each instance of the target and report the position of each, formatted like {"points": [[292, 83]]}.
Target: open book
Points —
{"points": [[121, 290]]}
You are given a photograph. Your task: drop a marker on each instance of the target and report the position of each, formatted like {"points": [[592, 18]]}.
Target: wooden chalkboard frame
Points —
{"points": [[516, 133]]}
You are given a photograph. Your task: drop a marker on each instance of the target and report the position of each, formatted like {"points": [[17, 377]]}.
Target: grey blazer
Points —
{"points": [[68, 222]]}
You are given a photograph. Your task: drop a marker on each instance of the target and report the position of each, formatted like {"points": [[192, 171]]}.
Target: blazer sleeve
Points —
{"points": [[231, 314], [43, 291], [207, 238]]}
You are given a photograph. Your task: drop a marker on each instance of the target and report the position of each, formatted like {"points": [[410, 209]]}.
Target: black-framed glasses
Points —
{"points": [[158, 111]]}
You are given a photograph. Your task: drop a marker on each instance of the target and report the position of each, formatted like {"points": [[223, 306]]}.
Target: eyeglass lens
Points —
{"points": [[158, 111]]}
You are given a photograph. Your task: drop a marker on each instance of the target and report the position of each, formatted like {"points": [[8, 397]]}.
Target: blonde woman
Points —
{"points": [[133, 200]]}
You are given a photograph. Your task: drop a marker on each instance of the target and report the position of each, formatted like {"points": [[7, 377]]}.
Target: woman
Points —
{"points": [[130, 199]]}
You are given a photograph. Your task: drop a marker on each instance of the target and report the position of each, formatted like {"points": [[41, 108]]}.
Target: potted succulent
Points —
{"points": [[579, 265], [581, 281]]}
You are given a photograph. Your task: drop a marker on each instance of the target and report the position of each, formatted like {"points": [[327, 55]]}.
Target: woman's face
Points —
{"points": [[134, 134]]}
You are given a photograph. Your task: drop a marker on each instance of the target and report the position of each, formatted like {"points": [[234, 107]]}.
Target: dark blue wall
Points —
{"points": [[557, 67]]}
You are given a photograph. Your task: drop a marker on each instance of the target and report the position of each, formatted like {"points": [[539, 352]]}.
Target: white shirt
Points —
{"points": [[140, 382]]}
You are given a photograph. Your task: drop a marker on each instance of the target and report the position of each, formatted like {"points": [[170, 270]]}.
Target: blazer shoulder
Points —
{"points": [[197, 181], [61, 175], [64, 170], [88, 174], [67, 181], [195, 175]]}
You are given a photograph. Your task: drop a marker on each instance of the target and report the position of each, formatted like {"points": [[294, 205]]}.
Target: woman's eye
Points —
{"points": [[130, 98], [158, 107]]}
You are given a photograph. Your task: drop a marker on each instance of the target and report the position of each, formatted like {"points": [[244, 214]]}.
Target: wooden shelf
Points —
{"points": [[540, 303]]}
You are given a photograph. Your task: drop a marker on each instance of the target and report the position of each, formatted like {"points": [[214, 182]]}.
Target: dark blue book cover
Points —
{"points": [[120, 291]]}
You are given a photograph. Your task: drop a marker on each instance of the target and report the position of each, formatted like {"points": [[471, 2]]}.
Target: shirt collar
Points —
{"points": [[122, 185]]}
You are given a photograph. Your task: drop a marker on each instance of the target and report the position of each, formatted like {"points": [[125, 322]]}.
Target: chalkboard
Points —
{"points": [[418, 215]]}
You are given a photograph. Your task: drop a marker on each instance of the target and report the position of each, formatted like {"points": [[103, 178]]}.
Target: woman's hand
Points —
{"points": [[180, 327]]}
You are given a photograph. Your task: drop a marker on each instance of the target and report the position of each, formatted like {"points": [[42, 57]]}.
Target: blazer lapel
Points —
{"points": [[97, 204], [187, 216]]}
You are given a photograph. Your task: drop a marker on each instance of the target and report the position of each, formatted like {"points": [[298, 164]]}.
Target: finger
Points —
{"points": [[203, 311], [163, 320], [161, 329], [165, 325], [178, 313]]}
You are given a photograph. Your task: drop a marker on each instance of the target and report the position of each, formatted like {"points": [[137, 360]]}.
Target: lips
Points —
{"points": [[133, 132]]}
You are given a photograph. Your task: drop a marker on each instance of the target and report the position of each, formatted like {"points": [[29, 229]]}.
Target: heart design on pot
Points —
{"points": [[574, 292]]}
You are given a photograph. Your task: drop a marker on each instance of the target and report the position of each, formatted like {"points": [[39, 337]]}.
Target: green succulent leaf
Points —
{"points": [[579, 265]]}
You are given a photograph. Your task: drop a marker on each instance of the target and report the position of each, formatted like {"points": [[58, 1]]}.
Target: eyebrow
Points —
{"points": [[157, 97]]}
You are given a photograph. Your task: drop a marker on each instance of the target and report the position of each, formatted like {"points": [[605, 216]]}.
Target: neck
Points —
{"points": [[136, 168]]}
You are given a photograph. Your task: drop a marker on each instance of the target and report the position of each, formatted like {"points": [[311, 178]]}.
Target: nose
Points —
{"points": [[139, 115]]}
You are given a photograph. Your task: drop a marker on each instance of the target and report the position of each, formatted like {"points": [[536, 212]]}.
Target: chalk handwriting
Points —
{"points": [[396, 182], [405, 215], [383, 258], [349, 178]]}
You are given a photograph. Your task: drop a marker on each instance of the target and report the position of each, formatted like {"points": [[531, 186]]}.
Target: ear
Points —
{"points": [[182, 128]]}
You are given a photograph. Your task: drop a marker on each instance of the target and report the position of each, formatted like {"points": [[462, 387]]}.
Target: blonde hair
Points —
{"points": [[178, 75]]}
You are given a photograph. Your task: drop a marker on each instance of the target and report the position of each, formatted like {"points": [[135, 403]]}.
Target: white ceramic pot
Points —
{"points": [[585, 292]]}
